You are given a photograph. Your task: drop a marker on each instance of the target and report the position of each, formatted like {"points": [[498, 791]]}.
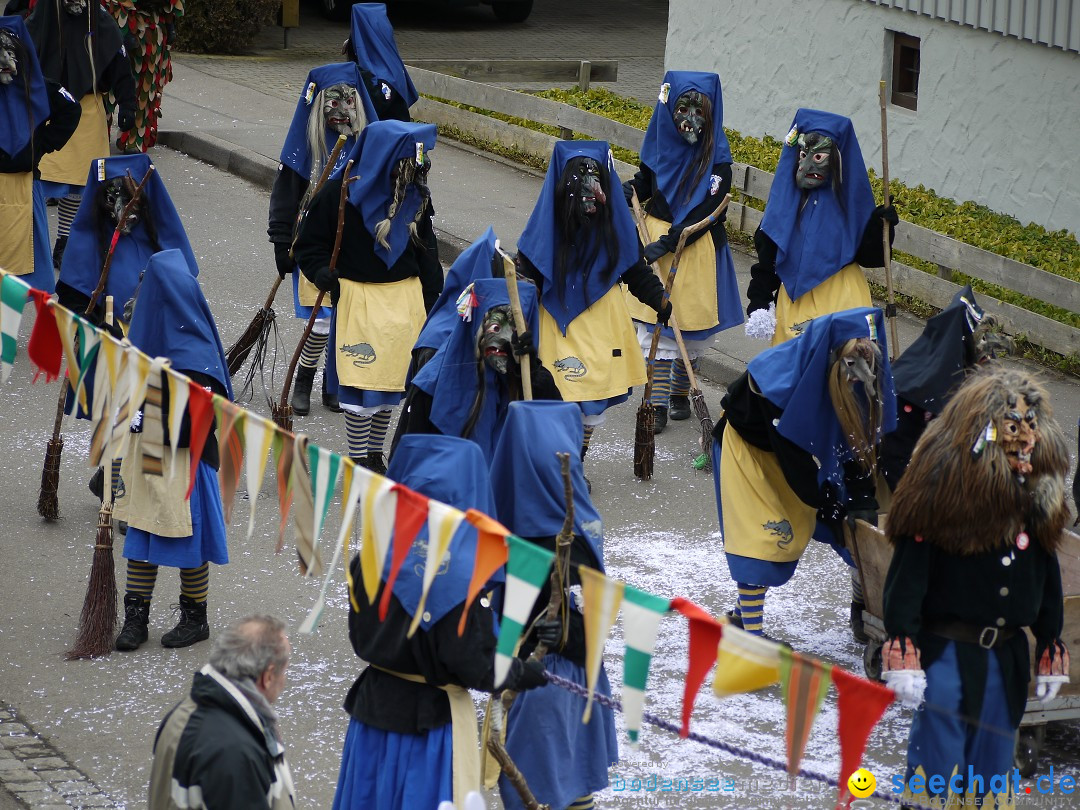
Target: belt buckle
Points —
{"points": [[992, 633]]}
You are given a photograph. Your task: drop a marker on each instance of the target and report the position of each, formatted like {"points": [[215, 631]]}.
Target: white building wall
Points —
{"points": [[998, 119]]}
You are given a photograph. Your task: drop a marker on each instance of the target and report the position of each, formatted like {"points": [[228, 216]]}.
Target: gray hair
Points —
{"points": [[249, 646]]}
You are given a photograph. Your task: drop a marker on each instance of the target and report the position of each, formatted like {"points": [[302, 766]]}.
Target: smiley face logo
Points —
{"points": [[861, 783]]}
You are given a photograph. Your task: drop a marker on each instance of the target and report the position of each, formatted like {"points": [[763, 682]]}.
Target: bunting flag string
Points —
{"points": [[641, 615], [153, 431], [325, 469], [201, 416], [303, 496], [13, 297], [257, 440], [230, 418], [602, 597], [409, 517], [527, 569], [443, 522], [376, 528], [859, 705], [803, 683], [178, 406], [89, 344], [491, 555], [67, 325], [282, 447], [745, 663], [705, 633], [44, 348]]}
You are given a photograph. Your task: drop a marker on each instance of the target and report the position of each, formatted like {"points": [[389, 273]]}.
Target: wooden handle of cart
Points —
{"points": [[890, 311], [128, 208], [510, 270]]}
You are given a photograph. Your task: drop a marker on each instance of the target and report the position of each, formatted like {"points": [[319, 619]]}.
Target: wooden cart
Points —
{"points": [[873, 554]]}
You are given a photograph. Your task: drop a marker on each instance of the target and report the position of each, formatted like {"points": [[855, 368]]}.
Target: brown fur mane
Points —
{"points": [[967, 503]]}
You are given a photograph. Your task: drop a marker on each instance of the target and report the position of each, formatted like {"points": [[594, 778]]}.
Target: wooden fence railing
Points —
{"points": [[948, 254]]}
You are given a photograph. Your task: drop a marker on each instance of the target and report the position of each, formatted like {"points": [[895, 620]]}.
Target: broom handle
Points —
{"points": [[329, 167], [318, 301], [890, 308], [519, 319]]}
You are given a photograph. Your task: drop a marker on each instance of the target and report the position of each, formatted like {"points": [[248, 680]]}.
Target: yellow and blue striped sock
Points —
{"points": [[587, 440], [751, 607], [141, 578], [357, 429], [661, 384], [582, 803], [680, 380], [380, 423], [313, 349], [195, 582]]}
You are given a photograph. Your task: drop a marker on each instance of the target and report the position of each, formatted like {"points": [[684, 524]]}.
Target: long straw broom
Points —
{"points": [[644, 438], [890, 305], [97, 622], [254, 337], [48, 502], [282, 411], [520, 324]]}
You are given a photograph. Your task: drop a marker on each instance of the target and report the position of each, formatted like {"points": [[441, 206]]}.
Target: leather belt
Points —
{"points": [[986, 637]]}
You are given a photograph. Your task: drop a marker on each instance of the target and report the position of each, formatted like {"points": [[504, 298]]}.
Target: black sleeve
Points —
{"points": [[861, 488], [701, 211], [543, 383], [644, 285], [906, 585], [427, 257], [764, 283], [315, 242], [871, 251], [289, 189], [64, 114], [210, 450], [388, 106], [117, 78], [526, 269], [1048, 625], [643, 183]]}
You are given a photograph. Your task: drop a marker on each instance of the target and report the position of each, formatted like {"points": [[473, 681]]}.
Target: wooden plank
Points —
{"points": [[522, 105], [874, 554], [518, 70], [751, 180]]}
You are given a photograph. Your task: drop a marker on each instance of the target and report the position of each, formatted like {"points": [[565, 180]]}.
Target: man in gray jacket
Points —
{"points": [[220, 747]]}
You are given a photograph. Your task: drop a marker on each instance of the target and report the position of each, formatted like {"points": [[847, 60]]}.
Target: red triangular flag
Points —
{"points": [[491, 555], [201, 415], [410, 517], [705, 633], [860, 704], [45, 349]]}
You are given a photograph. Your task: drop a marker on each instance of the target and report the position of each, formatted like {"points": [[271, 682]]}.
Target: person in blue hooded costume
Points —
{"points": [[37, 116], [412, 739], [465, 388], [563, 760], [685, 173], [578, 244], [172, 319], [795, 450], [388, 275], [332, 103], [819, 230], [371, 45]]}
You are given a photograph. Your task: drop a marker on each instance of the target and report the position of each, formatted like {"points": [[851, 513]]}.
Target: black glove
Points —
{"points": [[869, 515], [523, 343], [283, 260], [654, 250], [525, 675], [327, 281], [549, 632], [887, 213], [664, 313], [125, 119]]}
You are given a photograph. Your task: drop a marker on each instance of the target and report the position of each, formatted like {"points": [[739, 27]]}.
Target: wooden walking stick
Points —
{"points": [[644, 439], [48, 502], [282, 412], [256, 332], [510, 271], [890, 305]]}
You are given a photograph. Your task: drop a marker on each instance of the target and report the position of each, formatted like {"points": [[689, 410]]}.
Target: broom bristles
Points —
{"points": [[282, 416], [97, 623], [48, 502], [701, 410], [644, 441], [236, 354]]}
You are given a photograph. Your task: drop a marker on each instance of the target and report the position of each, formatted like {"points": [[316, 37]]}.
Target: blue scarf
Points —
{"points": [[378, 149], [794, 377], [82, 262], [584, 285], [530, 499], [815, 243], [450, 376], [455, 472], [19, 115], [172, 319], [295, 153], [668, 154], [376, 50], [473, 264]]}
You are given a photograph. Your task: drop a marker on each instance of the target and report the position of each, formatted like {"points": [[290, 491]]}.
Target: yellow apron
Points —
{"points": [[161, 506], [377, 327], [307, 292], [598, 358], [693, 295], [17, 214], [763, 518], [844, 289], [90, 141]]}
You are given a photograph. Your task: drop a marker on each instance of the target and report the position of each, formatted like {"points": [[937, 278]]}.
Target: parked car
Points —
{"points": [[510, 11]]}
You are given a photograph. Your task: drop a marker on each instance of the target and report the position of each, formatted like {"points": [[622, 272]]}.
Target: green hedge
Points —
{"points": [[223, 26]]}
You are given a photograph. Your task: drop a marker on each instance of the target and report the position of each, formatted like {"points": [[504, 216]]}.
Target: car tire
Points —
{"points": [[509, 12], [337, 10]]}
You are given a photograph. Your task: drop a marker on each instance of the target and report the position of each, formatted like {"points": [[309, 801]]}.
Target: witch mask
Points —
{"points": [[583, 187], [493, 343], [9, 64], [817, 156], [74, 7], [113, 197], [691, 115], [340, 109]]}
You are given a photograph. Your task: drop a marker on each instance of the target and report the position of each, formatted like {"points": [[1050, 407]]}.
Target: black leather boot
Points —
{"points": [[373, 462], [192, 626], [301, 395], [660, 414], [58, 252], [97, 484], [680, 407], [136, 619], [329, 401]]}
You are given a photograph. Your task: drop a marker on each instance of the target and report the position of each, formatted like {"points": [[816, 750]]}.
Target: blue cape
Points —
{"points": [[378, 149], [450, 376], [16, 126], [793, 376], [813, 245], [172, 319], [295, 153], [82, 263], [455, 472], [668, 154], [373, 40], [585, 285], [530, 498], [473, 264]]}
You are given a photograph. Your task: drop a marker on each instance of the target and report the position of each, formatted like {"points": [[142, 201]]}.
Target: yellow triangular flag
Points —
{"points": [[745, 662], [258, 436], [602, 597], [443, 523], [376, 528], [178, 402]]}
